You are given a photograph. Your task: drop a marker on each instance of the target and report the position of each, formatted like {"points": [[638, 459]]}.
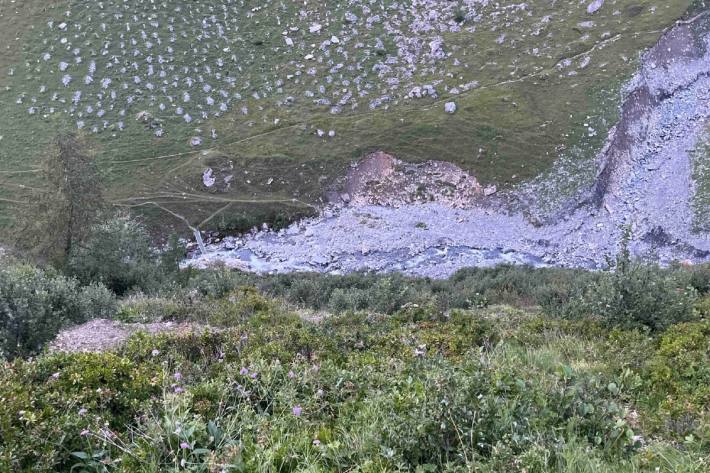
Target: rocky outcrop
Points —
{"points": [[382, 179]]}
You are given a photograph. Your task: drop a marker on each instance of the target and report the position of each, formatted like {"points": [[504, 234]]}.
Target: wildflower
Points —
{"points": [[291, 374], [177, 376], [243, 371], [184, 445], [82, 411], [55, 375], [253, 376], [316, 442], [297, 410], [179, 390], [84, 433], [155, 352]]}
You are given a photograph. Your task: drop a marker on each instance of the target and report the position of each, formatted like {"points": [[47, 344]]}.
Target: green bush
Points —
{"points": [[141, 308], [634, 295], [679, 376], [54, 406], [118, 254], [35, 304]]}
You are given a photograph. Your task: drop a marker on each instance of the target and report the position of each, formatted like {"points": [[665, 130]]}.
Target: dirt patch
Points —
{"points": [[101, 335], [382, 179]]}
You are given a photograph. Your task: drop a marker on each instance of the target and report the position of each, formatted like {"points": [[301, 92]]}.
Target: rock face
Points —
{"points": [[381, 179], [662, 116]]}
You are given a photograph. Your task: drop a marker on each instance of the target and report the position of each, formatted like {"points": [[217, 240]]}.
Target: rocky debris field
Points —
{"points": [[644, 183]]}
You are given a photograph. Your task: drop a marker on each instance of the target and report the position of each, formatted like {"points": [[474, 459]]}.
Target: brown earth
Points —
{"points": [[382, 179]]}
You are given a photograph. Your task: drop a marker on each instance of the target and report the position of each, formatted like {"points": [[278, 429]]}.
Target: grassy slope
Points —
{"points": [[701, 175], [526, 113]]}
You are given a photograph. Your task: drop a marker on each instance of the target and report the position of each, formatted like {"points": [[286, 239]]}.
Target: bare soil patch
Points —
{"points": [[101, 335], [382, 179]]}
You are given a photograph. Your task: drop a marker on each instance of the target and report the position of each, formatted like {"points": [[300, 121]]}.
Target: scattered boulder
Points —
{"points": [[450, 107], [490, 190], [208, 178], [595, 6]]}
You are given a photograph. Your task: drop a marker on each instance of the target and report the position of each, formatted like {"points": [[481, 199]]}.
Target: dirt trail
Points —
{"points": [[644, 182]]}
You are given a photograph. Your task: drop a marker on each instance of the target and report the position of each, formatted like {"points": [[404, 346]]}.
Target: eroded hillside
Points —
{"points": [[225, 110]]}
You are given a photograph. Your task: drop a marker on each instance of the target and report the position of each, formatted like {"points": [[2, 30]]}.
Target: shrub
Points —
{"points": [[141, 309], [35, 304], [118, 254], [52, 406], [635, 294], [679, 375]]}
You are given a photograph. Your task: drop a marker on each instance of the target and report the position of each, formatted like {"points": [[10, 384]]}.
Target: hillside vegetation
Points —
{"points": [[164, 90], [505, 369]]}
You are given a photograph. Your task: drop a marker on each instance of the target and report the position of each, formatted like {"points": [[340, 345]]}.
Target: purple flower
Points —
{"points": [[84, 433], [177, 376], [316, 442], [243, 371], [179, 390], [297, 410], [291, 374], [55, 375], [185, 445], [253, 376], [82, 411]]}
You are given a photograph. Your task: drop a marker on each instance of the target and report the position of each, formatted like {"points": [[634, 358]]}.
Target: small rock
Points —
{"points": [[490, 190], [208, 178], [315, 28], [345, 197], [331, 133], [595, 6], [450, 107]]}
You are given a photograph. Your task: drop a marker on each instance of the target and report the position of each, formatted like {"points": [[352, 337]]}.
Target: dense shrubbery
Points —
{"points": [[603, 371], [51, 405], [118, 253], [633, 295], [636, 294], [679, 375], [35, 304], [486, 389]]}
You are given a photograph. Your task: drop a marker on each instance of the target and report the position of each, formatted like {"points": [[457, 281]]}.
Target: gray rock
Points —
{"points": [[595, 6]]}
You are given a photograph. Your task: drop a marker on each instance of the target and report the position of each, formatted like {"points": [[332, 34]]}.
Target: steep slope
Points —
{"points": [[252, 91], [644, 183]]}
